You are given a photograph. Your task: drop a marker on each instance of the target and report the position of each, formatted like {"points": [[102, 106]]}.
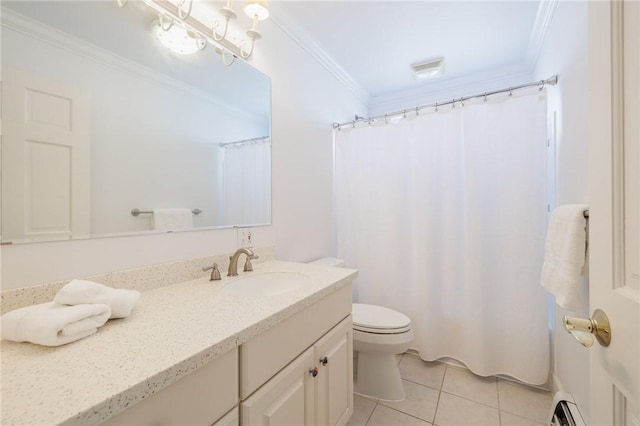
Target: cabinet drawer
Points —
{"points": [[266, 354], [199, 398]]}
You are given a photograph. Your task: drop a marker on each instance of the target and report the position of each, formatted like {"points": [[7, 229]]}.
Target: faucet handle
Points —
{"points": [[248, 267], [215, 272]]}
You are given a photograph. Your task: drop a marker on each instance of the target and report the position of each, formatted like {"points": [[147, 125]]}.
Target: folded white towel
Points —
{"points": [[51, 324], [172, 219], [565, 253], [77, 292]]}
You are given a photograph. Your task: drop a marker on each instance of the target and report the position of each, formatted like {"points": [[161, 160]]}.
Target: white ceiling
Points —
{"points": [[370, 45]]}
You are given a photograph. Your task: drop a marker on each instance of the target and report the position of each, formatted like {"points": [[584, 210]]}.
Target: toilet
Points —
{"points": [[379, 334]]}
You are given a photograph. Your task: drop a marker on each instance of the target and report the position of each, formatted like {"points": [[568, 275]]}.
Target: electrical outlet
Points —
{"points": [[245, 237]]}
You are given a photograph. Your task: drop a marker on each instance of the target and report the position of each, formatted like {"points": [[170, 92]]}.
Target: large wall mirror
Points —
{"points": [[98, 119]]}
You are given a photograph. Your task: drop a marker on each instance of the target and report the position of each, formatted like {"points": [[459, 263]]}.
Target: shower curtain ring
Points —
{"points": [[417, 111], [404, 114], [485, 96], [462, 102], [436, 109], [541, 86], [453, 103], [386, 121]]}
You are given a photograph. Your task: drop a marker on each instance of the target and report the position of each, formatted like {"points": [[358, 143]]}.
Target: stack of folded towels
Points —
{"points": [[79, 308]]}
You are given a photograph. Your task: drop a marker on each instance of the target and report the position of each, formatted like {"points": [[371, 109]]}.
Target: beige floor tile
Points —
{"points": [[425, 373], [385, 416], [421, 401], [524, 401], [462, 382], [507, 419], [362, 409], [456, 411]]}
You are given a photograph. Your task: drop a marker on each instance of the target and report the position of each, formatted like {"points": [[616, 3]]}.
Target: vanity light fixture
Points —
{"points": [[257, 10], [428, 69], [177, 38], [228, 13], [179, 31]]}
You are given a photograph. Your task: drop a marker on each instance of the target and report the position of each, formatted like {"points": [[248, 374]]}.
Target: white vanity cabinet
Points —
{"points": [[200, 398], [268, 380], [288, 392], [197, 353]]}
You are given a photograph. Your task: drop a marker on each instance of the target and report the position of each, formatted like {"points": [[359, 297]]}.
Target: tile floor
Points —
{"points": [[445, 395]]}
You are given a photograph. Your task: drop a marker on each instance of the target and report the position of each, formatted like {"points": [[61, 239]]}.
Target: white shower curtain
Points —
{"points": [[247, 183], [444, 216]]}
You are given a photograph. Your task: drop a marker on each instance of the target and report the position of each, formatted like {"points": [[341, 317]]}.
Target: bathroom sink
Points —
{"points": [[266, 284]]}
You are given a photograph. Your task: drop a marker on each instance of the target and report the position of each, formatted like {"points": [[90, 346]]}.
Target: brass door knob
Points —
{"points": [[585, 329]]}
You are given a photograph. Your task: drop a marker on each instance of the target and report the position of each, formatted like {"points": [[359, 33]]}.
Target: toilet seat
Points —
{"points": [[379, 320]]}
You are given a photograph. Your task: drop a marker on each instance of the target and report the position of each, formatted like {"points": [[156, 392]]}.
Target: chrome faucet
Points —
{"points": [[233, 261]]}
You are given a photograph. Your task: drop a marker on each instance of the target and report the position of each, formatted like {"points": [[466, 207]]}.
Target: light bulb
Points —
{"points": [[178, 39], [257, 9]]}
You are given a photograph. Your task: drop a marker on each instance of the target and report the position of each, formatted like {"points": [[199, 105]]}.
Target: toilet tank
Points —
{"points": [[328, 261]]}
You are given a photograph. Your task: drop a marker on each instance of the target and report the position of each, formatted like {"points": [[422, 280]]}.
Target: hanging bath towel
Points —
{"points": [[565, 254], [172, 219]]}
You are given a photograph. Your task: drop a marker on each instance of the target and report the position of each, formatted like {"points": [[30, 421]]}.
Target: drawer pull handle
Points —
{"points": [[324, 361], [314, 371]]}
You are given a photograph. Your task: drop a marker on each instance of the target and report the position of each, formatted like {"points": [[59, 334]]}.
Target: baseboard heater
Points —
{"points": [[565, 411]]}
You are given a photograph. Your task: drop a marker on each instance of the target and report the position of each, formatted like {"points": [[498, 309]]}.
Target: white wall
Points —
{"points": [[565, 53], [306, 99]]}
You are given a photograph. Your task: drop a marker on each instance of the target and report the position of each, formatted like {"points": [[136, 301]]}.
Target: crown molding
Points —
{"points": [[296, 33], [544, 16]]}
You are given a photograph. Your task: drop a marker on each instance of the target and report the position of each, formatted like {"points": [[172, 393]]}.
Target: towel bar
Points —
{"points": [[136, 212]]}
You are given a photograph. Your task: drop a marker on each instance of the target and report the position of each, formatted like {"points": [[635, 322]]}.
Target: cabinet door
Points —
{"points": [[334, 383], [287, 399]]}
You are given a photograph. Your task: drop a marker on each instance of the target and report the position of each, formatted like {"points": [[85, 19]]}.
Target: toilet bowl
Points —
{"points": [[379, 334]]}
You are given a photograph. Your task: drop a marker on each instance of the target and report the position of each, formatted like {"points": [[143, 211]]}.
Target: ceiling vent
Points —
{"points": [[429, 69]]}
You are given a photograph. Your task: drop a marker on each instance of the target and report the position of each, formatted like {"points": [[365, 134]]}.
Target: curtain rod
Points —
{"points": [[552, 81], [250, 140]]}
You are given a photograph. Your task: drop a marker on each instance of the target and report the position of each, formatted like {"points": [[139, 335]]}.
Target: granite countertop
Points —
{"points": [[172, 331]]}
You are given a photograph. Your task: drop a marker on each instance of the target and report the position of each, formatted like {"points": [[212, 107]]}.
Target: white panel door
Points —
{"points": [[334, 383], [45, 159], [614, 182]]}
